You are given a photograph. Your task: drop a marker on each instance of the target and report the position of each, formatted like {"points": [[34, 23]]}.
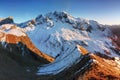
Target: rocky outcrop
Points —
{"points": [[8, 20], [102, 68], [90, 67]]}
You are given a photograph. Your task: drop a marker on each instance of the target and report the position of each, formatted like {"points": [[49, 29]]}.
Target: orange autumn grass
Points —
{"points": [[83, 50], [25, 40]]}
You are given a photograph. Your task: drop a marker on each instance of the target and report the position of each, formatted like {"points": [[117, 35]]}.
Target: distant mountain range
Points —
{"points": [[58, 46]]}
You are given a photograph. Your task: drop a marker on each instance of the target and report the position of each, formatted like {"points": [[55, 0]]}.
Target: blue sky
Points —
{"points": [[103, 11]]}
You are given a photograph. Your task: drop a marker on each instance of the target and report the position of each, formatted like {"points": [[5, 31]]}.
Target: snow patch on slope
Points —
{"points": [[12, 29], [61, 63]]}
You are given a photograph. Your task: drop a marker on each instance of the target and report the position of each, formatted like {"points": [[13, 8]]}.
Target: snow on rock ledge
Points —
{"points": [[63, 62], [12, 29]]}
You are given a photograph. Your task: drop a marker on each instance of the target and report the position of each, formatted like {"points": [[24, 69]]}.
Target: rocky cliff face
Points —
{"points": [[8, 20]]}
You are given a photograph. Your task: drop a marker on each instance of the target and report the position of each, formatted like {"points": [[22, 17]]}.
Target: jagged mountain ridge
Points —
{"points": [[10, 33], [60, 35]]}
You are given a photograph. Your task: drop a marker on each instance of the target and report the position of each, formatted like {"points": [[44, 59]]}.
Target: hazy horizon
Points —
{"points": [[103, 11]]}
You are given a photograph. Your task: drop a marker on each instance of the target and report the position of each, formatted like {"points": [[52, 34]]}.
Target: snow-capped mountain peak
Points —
{"points": [[58, 34], [64, 40]]}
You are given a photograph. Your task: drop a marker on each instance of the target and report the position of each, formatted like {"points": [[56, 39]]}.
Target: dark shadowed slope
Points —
{"points": [[11, 70], [116, 30]]}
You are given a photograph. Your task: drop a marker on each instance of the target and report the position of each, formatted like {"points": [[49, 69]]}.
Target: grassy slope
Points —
{"points": [[13, 66], [11, 70], [104, 68]]}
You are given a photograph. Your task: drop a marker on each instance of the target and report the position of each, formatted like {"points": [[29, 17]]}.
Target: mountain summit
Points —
{"points": [[69, 42], [59, 35]]}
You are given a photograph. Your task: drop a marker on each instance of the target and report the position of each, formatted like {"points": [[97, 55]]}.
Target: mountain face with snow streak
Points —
{"points": [[59, 35], [67, 41]]}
